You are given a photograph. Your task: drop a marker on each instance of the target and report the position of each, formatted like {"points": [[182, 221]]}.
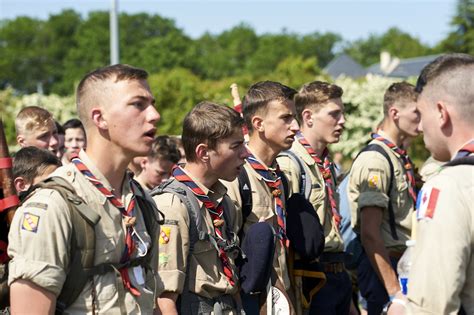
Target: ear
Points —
{"points": [[443, 114], [306, 116], [20, 139], [97, 117], [143, 162], [202, 152], [257, 123], [20, 184], [393, 112]]}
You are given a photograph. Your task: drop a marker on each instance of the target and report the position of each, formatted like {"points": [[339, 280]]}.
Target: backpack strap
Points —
{"points": [[391, 215], [305, 179], [83, 221], [467, 160], [245, 193]]}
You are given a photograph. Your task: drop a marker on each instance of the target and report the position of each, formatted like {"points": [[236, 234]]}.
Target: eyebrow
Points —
{"points": [[144, 98]]}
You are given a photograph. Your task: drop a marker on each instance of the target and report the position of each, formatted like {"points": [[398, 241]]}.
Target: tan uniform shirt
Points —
{"points": [[40, 240], [442, 273], [368, 186], [318, 196], [205, 273], [263, 206]]}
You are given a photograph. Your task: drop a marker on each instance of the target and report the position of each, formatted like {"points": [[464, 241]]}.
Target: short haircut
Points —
{"points": [[91, 86], [315, 94], [165, 148], [59, 128], [33, 118], [398, 94], [31, 162], [208, 123], [260, 95], [450, 76], [74, 123]]}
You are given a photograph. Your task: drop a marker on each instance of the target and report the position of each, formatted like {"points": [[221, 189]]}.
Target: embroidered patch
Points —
{"points": [[39, 205], [30, 222], [373, 181], [163, 258], [165, 235], [426, 203]]}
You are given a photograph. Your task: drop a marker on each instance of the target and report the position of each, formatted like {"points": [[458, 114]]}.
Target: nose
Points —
{"points": [[244, 153], [420, 126], [153, 115], [53, 142], [294, 125], [342, 120]]}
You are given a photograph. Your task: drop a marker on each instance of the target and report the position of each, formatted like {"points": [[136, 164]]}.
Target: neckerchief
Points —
{"points": [[465, 150], [216, 212], [274, 184], [325, 170], [127, 216], [408, 165]]}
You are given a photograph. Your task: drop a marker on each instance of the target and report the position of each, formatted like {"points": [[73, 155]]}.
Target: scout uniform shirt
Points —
{"points": [[40, 241], [263, 206], [205, 272], [442, 273], [318, 197], [368, 186]]}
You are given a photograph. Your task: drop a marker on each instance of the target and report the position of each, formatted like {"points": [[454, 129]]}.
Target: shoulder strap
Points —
{"points": [[83, 221], [391, 215], [467, 160], [245, 193], [305, 180]]}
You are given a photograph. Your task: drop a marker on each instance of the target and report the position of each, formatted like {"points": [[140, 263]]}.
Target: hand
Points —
{"points": [[398, 306]]}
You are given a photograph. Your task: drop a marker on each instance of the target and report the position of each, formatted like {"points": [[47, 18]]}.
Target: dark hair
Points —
{"points": [[165, 148], [398, 93], [30, 162], [315, 93], [59, 128], [259, 95], [120, 72], [440, 65], [208, 123], [74, 123]]}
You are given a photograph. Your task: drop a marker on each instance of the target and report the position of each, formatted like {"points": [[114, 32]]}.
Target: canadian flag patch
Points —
{"points": [[426, 203]]}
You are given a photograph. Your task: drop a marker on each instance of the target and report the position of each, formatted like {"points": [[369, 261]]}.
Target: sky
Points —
{"points": [[427, 20]]}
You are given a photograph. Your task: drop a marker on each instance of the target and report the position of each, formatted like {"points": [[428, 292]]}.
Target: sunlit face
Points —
{"points": [[279, 124], [130, 116], [409, 119], [328, 121], [44, 138], [430, 126], [155, 172], [228, 157], [74, 140]]}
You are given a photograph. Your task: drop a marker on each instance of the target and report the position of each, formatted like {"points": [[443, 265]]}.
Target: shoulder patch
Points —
{"points": [[30, 222], [38, 205], [426, 203], [373, 181], [165, 235]]}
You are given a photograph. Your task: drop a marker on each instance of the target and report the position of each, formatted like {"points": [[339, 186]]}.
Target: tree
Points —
{"points": [[461, 39], [320, 46]]}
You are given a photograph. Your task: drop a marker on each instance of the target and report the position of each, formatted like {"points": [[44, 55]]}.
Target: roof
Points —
{"points": [[406, 68], [344, 65]]}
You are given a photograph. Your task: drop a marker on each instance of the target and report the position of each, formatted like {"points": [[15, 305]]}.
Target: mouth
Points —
{"points": [[150, 134]]}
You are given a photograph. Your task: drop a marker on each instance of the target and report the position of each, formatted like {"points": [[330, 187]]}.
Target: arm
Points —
{"points": [[371, 220], [167, 303], [41, 301]]}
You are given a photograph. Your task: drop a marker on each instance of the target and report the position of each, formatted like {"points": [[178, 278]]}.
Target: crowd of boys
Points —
{"points": [[242, 214]]}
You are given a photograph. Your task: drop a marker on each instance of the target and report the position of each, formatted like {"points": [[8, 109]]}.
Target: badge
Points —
{"points": [[30, 222], [373, 181], [165, 235], [426, 202], [163, 259]]}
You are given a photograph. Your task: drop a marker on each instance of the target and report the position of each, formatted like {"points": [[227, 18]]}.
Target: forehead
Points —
{"points": [[276, 106], [36, 129], [330, 105], [74, 132], [126, 89]]}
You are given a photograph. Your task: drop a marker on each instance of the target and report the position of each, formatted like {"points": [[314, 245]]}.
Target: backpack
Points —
{"points": [[81, 268], [352, 243]]}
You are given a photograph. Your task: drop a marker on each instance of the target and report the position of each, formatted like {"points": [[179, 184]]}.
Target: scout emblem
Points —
{"points": [[30, 222], [165, 235]]}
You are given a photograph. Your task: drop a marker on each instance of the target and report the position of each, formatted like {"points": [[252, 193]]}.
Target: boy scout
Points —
{"points": [[199, 275], [117, 109], [382, 200], [320, 113], [35, 126], [441, 279], [269, 114]]}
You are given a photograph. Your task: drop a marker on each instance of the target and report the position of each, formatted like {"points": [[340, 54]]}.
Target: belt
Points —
{"points": [[335, 267], [395, 254]]}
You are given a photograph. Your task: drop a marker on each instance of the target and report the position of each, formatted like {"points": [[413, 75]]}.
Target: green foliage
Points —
{"points": [[461, 39]]}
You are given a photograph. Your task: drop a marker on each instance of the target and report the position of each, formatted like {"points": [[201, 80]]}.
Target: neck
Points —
{"points": [[262, 150], [200, 172], [113, 168], [393, 134], [317, 145], [463, 137]]}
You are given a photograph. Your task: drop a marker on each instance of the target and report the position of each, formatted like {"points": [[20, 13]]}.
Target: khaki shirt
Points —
{"points": [[40, 240], [368, 186], [205, 273], [318, 196], [263, 206], [442, 273]]}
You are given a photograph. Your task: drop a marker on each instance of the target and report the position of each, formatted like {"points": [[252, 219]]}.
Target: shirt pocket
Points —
{"points": [[205, 258]]}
